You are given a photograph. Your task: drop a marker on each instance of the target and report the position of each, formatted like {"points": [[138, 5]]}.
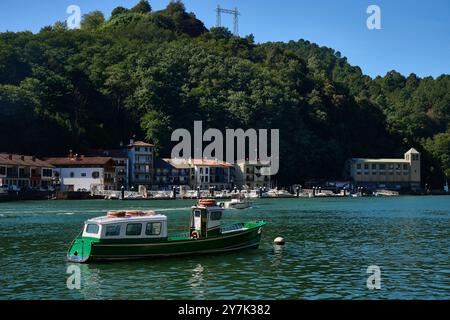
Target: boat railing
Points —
{"points": [[232, 227], [180, 235]]}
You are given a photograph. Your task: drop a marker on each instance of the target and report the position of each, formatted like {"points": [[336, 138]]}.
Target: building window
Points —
{"points": [[134, 229], [358, 166], [415, 157], [2, 171], [153, 229], [83, 174], [374, 166], [137, 149], [206, 170], [95, 175], [72, 174], [47, 172]]}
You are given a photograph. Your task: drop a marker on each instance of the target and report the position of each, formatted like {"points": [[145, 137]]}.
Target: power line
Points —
{"points": [[235, 14]]}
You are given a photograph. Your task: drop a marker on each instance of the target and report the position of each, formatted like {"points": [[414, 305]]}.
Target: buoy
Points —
{"points": [[279, 241]]}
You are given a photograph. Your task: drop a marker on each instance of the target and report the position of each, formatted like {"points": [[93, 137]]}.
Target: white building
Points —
{"points": [[248, 174], [79, 173], [121, 165], [206, 173]]}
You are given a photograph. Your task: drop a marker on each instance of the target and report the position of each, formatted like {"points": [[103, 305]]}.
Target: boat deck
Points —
{"points": [[236, 227]]}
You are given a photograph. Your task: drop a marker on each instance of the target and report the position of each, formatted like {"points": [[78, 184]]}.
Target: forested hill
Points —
{"points": [[147, 73]]}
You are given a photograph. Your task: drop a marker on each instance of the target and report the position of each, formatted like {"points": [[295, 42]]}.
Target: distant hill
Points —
{"points": [[147, 73]]}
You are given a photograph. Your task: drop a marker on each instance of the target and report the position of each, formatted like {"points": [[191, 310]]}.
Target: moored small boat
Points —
{"points": [[237, 202], [143, 234]]}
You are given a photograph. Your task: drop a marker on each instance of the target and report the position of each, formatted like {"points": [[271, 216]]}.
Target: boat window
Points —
{"points": [[92, 228], [153, 229], [134, 229], [113, 230], [216, 215]]}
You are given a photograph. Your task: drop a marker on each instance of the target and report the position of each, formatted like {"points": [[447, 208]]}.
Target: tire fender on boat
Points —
{"points": [[195, 234]]}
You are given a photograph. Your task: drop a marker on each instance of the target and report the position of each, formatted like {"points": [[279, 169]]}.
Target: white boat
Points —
{"points": [[385, 193], [134, 196], [238, 202], [253, 194], [112, 197], [274, 193]]}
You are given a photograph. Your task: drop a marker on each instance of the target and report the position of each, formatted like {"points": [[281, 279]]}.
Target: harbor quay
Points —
{"points": [[133, 172]]}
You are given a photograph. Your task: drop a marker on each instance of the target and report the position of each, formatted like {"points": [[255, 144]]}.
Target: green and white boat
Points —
{"points": [[143, 234]]}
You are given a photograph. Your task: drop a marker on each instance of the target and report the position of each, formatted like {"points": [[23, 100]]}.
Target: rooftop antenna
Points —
{"points": [[234, 12]]}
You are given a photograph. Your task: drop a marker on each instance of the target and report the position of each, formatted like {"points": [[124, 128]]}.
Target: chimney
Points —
{"points": [[10, 157], [70, 154], [33, 158], [131, 141], [22, 158]]}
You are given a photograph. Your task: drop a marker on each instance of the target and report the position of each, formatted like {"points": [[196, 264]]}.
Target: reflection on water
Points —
{"points": [[91, 282], [277, 256], [196, 282], [329, 245]]}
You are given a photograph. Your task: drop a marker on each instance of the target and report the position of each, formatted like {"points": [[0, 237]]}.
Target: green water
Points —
{"points": [[330, 244]]}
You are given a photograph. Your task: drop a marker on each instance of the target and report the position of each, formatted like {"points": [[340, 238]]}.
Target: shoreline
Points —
{"points": [[40, 198]]}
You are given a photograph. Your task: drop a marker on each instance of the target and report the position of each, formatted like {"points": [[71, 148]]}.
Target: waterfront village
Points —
{"points": [[132, 171]]}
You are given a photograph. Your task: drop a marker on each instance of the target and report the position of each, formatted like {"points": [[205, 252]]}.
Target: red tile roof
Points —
{"points": [[22, 160], [140, 144], [183, 163], [80, 161], [211, 163]]}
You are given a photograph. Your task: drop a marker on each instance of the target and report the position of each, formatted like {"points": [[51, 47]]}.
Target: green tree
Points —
{"points": [[119, 10], [92, 20], [142, 7]]}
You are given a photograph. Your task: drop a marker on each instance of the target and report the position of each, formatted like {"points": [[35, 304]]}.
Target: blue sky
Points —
{"points": [[415, 35]]}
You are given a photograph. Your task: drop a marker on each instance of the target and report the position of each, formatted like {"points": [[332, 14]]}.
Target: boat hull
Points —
{"points": [[237, 205], [94, 250]]}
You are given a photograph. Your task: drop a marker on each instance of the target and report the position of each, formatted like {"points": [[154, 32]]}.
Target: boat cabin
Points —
{"points": [[206, 219], [127, 225]]}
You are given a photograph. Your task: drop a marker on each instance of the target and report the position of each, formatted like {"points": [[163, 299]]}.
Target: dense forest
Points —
{"points": [[145, 73]]}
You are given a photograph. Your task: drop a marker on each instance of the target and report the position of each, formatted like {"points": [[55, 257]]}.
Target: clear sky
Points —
{"points": [[414, 35]]}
